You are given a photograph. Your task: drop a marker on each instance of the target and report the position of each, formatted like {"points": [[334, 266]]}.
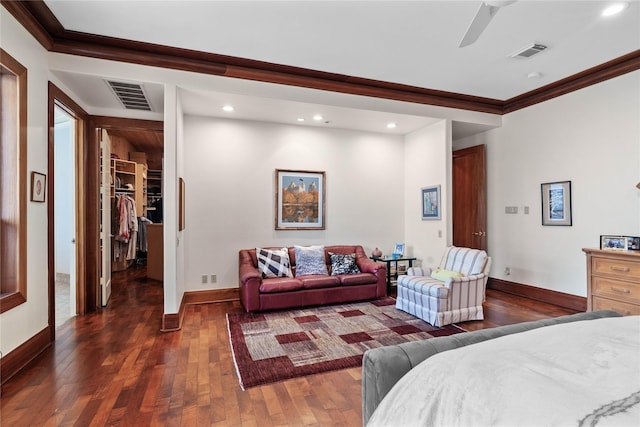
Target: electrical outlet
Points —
{"points": [[204, 279], [213, 278], [507, 271]]}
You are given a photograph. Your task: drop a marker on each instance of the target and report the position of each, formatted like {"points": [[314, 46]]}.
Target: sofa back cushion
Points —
{"points": [[273, 262], [465, 260], [310, 260]]}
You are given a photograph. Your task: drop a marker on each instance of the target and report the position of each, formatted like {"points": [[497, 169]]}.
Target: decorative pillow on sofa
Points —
{"points": [[310, 260], [274, 262], [343, 264], [443, 275]]}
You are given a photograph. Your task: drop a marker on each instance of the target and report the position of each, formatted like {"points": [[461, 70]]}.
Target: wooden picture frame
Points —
{"points": [[38, 187], [430, 202], [300, 200], [181, 195], [556, 203]]}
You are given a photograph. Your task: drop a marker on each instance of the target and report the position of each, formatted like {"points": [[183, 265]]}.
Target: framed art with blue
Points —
{"points": [[430, 202]]}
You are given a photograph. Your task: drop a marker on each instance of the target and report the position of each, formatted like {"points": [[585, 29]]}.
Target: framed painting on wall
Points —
{"points": [[431, 202], [556, 203], [300, 200], [38, 187]]}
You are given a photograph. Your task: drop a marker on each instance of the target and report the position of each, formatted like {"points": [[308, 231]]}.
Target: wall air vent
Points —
{"points": [[131, 95], [528, 51]]}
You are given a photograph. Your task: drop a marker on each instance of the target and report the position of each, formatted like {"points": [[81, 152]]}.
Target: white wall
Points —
{"points": [[230, 176], [590, 137], [26, 320], [427, 162], [65, 195]]}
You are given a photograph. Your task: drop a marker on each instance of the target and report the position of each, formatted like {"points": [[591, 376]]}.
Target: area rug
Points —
{"points": [[274, 346]]}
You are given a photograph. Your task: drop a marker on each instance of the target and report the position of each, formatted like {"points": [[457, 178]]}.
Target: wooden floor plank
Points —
{"points": [[115, 367]]}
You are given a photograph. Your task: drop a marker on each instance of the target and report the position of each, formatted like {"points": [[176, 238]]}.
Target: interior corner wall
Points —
{"points": [[590, 137], [229, 168], [26, 320], [427, 159]]}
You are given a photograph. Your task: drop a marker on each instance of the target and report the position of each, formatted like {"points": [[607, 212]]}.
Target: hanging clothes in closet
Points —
{"points": [[126, 228]]}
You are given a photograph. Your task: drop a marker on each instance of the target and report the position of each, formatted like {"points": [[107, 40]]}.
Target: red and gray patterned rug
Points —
{"points": [[275, 346]]}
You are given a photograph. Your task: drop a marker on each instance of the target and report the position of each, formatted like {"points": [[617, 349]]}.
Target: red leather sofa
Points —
{"points": [[259, 294]]}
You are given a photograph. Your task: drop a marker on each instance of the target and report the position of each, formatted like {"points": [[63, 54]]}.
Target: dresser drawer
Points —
{"points": [[618, 268], [616, 289], [620, 307]]}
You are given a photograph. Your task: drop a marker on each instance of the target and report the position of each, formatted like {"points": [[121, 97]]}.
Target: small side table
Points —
{"points": [[388, 260]]}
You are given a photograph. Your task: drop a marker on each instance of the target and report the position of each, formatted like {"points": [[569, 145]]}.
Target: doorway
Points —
{"points": [[64, 150]]}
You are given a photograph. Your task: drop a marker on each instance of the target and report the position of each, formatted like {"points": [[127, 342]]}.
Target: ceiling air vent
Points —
{"points": [[131, 95], [528, 51]]}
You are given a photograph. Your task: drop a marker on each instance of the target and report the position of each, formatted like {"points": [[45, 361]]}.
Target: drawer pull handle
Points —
{"points": [[624, 291], [620, 269]]}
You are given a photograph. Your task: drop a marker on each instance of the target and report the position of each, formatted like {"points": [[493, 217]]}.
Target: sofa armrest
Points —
{"points": [[378, 269], [382, 367], [250, 280], [369, 266]]}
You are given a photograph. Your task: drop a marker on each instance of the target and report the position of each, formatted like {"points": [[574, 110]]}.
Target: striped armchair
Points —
{"points": [[450, 299]]}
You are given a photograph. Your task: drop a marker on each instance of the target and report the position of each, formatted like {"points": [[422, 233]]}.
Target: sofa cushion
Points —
{"points": [[310, 260], [280, 284], [357, 279], [274, 262], [316, 281], [343, 264]]}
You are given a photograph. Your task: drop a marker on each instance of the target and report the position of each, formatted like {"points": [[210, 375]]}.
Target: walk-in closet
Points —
{"points": [[131, 162]]}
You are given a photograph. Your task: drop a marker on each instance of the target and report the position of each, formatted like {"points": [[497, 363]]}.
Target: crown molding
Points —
{"points": [[38, 19]]}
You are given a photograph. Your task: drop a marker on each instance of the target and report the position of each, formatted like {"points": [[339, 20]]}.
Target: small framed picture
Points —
{"points": [[38, 187], [431, 202], [556, 203], [398, 252]]}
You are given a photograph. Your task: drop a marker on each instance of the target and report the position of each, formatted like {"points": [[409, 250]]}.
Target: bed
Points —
{"points": [[582, 369]]}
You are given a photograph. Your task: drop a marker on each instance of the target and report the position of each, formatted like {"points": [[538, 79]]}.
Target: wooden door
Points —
{"points": [[469, 198]]}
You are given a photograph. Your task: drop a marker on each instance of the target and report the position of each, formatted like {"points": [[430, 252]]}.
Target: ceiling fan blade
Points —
{"points": [[484, 15]]}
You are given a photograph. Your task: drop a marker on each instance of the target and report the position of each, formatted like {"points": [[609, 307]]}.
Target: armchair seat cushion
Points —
{"points": [[424, 285]]}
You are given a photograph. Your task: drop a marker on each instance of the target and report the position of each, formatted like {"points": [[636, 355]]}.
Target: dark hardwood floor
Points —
{"points": [[115, 367]]}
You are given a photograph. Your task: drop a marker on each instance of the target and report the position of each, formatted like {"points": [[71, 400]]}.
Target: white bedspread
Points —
{"points": [[579, 373]]}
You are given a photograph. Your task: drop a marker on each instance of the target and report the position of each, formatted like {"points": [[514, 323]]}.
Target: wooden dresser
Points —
{"points": [[613, 281]]}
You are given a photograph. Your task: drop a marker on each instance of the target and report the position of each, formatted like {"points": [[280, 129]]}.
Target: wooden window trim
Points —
{"points": [[17, 294]]}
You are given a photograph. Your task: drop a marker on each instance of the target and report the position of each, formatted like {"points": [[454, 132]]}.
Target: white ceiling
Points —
{"points": [[409, 42]]}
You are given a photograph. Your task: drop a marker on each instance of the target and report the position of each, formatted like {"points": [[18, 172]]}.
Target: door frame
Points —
{"points": [[56, 97]]}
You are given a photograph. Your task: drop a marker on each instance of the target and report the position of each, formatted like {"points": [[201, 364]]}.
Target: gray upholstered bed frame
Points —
{"points": [[383, 367]]}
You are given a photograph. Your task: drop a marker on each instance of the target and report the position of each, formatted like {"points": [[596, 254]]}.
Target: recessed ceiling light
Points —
{"points": [[318, 117], [228, 108], [391, 125], [534, 75], [614, 9], [301, 119]]}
